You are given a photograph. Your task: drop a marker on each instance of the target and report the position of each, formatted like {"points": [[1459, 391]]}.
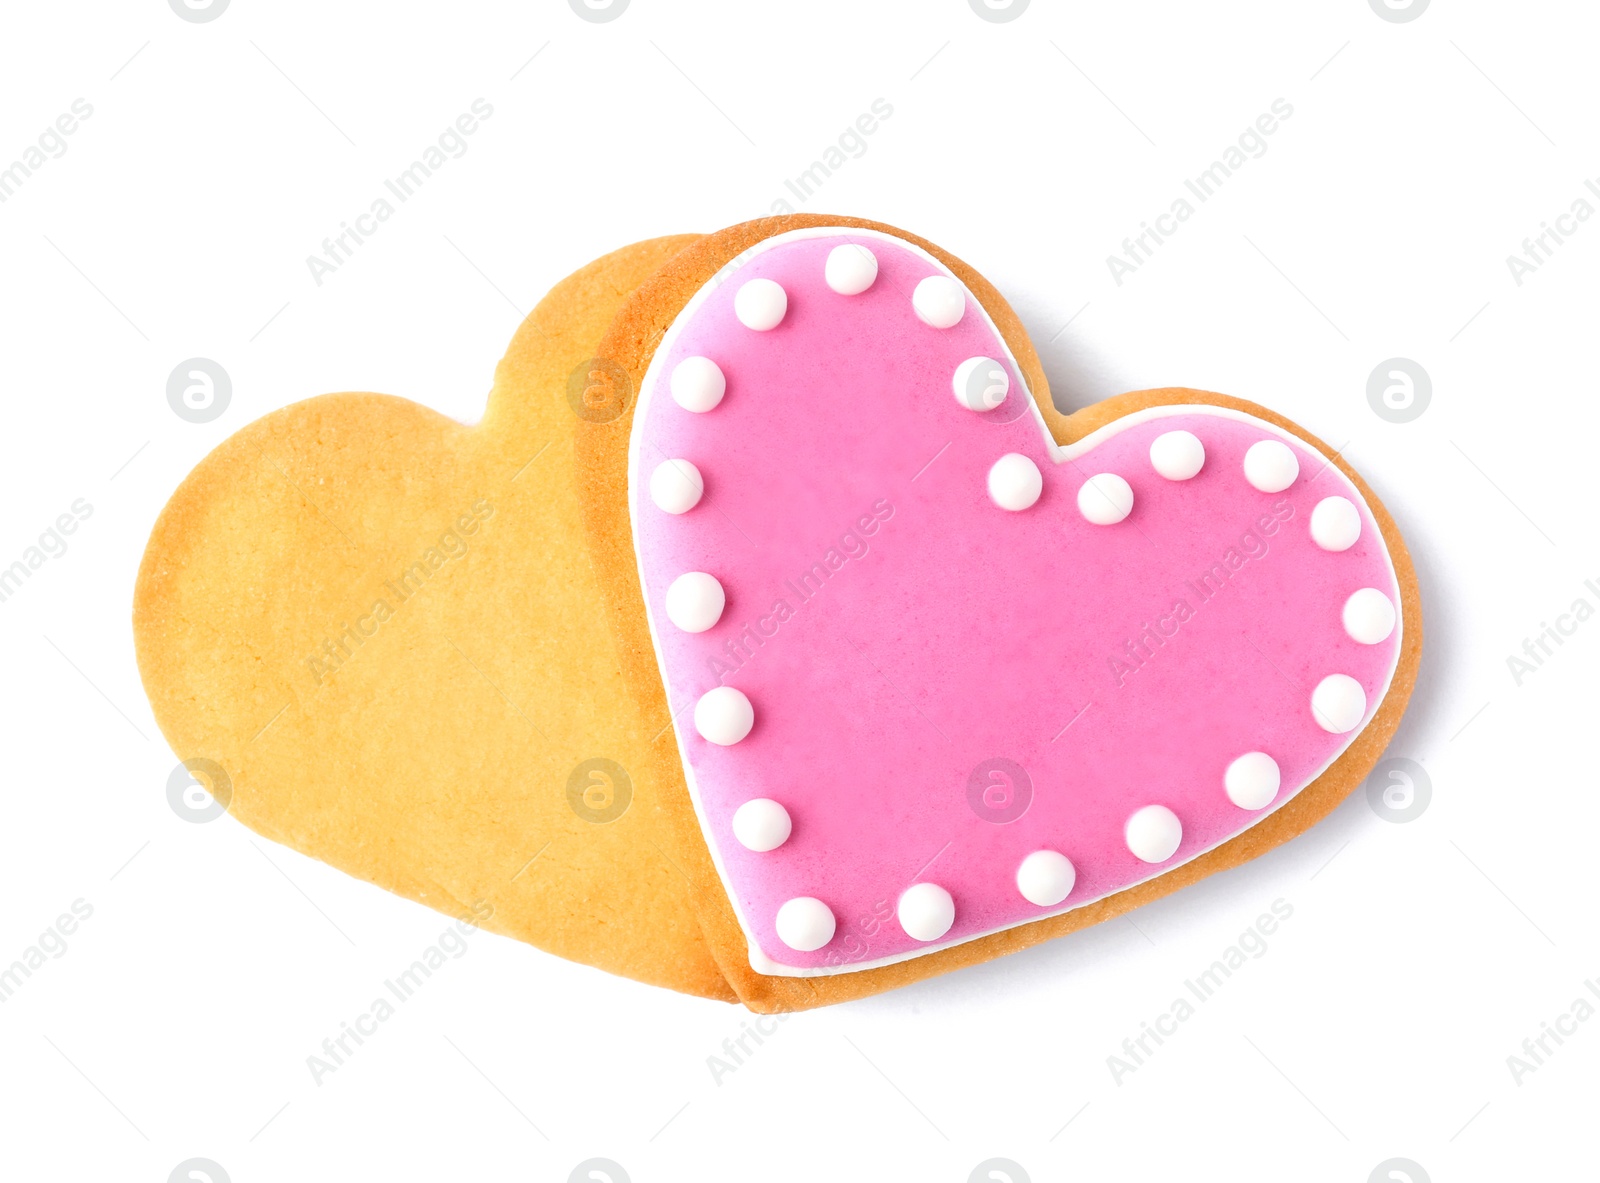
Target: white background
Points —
{"points": [[220, 154]]}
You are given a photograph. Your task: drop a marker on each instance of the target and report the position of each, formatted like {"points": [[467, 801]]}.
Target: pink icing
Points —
{"points": [[965, 632]]}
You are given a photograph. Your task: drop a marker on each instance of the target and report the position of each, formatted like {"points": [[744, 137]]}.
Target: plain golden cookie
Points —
{"points": [[384, 627]]}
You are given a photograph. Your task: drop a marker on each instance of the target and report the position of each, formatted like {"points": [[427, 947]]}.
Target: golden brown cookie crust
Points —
{"points": [[603, 477], [430, 755]]}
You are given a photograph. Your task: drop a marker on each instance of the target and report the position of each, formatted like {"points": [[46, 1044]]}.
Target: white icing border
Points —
{"points": [[759, 961]]}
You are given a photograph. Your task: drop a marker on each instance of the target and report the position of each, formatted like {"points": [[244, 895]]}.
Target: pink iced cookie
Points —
{"points": [[934, 676]]}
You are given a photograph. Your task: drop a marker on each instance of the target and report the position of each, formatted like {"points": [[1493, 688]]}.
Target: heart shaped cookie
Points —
{"points": [[381, 625], [950, 673]]}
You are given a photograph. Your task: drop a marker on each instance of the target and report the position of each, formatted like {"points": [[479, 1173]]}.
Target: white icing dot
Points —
{"points": [[760, 304], [761, 824], [1335, 523], [1046, 877], [1369, 616], [939, 301], [850, 269], [1177, 455], [698, 384], [1339, 703], [1252, 780], [1105, 499], [695, 601], [1015, 482], [981, 383], [1153, 834], [805, 924], [724, 716], [926, 911], [676, 486], [1271, 466]]}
